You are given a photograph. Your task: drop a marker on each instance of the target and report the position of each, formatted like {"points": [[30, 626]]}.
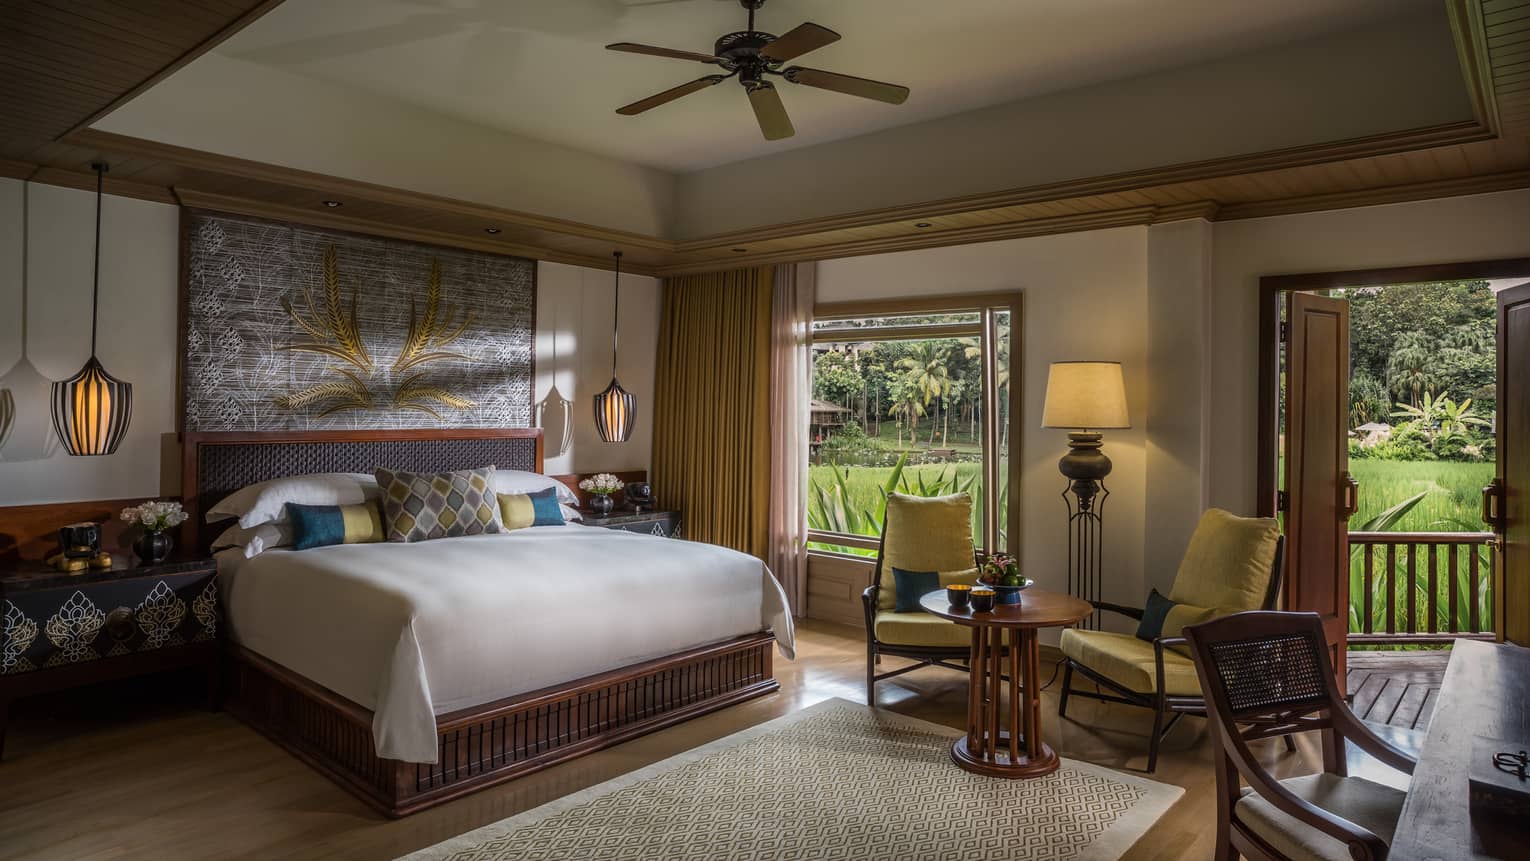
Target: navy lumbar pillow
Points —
{"points": [[910, 586]]}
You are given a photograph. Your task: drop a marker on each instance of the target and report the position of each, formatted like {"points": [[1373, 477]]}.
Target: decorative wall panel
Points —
{"points": [[300, 328]]}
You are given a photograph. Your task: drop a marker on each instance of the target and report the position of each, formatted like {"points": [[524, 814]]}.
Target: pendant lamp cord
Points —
{"points": [[26, 274], [616, 310], [95, 293]]}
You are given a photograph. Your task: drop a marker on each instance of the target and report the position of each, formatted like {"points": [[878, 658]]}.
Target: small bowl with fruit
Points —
{"points": [[1001, 573]]}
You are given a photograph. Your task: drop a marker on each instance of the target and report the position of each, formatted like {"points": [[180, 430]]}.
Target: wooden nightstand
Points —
{"points": [[665, 524], [62, 631]]}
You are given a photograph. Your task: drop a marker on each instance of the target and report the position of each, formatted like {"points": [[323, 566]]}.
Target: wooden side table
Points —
{"points": [[61, 631], [665, 524], [987, 748]]}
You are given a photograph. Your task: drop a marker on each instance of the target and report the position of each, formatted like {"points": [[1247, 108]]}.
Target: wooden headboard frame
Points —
{"points": [[214, 465]]}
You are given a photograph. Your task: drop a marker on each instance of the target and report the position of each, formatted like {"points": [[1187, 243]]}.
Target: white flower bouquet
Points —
{"points": [[603, 484], [155, 516]]}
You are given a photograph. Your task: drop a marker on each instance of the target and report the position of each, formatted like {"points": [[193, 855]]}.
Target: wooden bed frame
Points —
{"points": [[479, 746]]}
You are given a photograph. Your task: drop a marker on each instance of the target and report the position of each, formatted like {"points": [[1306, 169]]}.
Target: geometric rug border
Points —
{"points": [[1110, 845]]}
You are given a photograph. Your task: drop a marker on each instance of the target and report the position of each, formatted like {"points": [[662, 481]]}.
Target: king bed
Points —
{"points": [[414, 673]]}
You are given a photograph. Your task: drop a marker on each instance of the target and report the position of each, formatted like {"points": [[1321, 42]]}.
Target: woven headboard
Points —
{"points": [[213, 465]]}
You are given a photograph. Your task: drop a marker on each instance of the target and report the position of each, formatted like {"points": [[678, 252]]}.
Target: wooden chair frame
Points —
{"points": [[1164, 706], [939, 656], [1232, 731]]}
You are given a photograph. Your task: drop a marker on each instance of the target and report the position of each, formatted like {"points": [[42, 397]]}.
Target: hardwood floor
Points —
{"points": [[138, 770]]}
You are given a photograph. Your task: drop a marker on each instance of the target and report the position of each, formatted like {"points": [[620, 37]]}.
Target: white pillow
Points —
{"points": [[513, 481], [256, 539], [267, 501], [570, 513]]}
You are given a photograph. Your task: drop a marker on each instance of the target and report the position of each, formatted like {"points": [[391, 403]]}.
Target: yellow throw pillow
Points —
{"points": [[1228, 563]]}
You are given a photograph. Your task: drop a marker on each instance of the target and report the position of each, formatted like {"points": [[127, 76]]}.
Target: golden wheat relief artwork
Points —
{"points": [[329, 322]]}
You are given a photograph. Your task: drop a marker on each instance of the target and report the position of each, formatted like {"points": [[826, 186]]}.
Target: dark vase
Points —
{"points": [[153, 547], [601, 504]]}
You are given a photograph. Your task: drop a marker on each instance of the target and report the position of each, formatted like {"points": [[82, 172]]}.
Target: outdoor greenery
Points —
{"points": [[853, 500], [913, 394]]}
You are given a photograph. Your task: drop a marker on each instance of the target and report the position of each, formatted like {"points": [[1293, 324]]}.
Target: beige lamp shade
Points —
{"points": [[1085, 395]]}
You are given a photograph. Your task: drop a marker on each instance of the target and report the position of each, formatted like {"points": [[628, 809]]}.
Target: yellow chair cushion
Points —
{"points": [[919, 629], [925, 534], [1228, 563], [1128, 661]]}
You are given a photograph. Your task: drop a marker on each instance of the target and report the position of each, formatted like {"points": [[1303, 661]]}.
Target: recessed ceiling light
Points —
{"points": [[739, 250], [491, 230], [333, 203], [923, 224]]}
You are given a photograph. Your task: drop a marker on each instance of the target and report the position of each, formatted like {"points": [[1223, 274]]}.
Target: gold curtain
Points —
{"points": [[711, 420]]}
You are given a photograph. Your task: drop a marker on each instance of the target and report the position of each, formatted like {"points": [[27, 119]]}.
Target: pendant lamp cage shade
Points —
{"points": [[615, 408], [92, 409]]}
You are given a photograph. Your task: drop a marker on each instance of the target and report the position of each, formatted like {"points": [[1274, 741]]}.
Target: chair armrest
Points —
{"points": [[1129, 612], [1355, 730], [1362, 843], [1159, 644], [869, 606]]}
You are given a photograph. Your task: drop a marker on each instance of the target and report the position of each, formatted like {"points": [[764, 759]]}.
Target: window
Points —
{"points": [[911, 396]]}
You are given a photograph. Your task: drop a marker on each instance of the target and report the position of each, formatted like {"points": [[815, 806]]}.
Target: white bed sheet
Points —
{"points": [[411, 631]]}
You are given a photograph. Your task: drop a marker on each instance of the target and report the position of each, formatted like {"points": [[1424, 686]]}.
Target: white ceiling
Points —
{"points": [[537, 67]]}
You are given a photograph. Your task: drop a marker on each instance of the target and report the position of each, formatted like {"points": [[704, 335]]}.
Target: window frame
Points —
{"points": [[988, 306]]}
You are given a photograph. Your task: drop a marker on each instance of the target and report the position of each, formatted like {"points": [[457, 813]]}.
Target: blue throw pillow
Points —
{"points": [[545, 504], [1153, 616], [910, 586], [324, 525]]}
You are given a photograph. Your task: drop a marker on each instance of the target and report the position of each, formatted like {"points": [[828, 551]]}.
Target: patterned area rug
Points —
{"points": [[837, 780]]}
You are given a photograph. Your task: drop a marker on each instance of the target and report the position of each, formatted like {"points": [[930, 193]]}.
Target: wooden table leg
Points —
{"points": [[975, 694], [995, 679], [985, 749], [1016, 730]]}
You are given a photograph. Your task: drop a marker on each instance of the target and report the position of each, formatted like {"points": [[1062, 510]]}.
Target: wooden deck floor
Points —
{"points": [[1396, 689]]}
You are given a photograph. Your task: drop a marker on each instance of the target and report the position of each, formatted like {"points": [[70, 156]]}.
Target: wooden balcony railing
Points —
{"points": [[1421, 587]]}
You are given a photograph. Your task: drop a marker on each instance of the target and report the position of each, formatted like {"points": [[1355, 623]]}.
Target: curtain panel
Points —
{"points": [[791, 385], [711, 453]]}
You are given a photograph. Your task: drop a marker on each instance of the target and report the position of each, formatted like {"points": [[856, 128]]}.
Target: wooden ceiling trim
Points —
{"points": [[239, 206], [249, 16], [1377, 196], [1367, 147], [342, 188]]}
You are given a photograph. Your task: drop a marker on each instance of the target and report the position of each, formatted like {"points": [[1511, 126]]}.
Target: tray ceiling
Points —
{"points": [[538, 68]]}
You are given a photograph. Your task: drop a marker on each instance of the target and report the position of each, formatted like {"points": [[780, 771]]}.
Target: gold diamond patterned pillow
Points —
{"points": [[419, 506]]}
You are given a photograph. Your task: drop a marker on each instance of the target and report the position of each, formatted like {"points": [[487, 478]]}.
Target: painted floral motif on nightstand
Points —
{"points": [[658, 529], [15, 638], [73, 629], [158, 616], [205, 608]]}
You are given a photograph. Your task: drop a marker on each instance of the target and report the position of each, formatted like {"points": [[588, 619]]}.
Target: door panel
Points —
{"points": [[1318, 487], [1513, 592]]}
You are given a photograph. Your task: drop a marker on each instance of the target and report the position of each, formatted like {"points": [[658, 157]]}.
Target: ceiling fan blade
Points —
{"points": [[669, 95], [635, 48], [774, 122], [850, 85], [798, 41]]}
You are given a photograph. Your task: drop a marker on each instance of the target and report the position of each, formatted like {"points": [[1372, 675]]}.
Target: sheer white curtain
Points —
{"points": [[791, 384]]}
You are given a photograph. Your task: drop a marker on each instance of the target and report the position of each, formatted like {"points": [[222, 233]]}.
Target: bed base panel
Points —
{"points": [[498, 741]]}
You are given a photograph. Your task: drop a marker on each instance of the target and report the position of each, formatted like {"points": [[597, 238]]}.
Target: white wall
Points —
{"points": [[1479, 227], [1085, 298], [574, 307], [140, 261], [138, 340]]}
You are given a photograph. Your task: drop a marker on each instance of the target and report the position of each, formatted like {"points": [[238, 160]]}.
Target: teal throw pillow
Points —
{"points": [[910, 586]]}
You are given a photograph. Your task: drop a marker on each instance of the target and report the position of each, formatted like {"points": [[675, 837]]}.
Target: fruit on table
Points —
{"points": [[1011, 579]]}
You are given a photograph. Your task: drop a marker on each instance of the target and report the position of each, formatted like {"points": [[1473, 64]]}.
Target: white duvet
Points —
{"points": [[411, 631]]}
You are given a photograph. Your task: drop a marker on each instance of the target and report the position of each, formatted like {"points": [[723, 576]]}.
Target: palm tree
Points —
{"points": [[974, 349], [1409, 372], [927, 374], [907, 406]]}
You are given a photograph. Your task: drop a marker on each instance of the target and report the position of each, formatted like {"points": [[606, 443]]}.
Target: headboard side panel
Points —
{"points": [[219, 464]]}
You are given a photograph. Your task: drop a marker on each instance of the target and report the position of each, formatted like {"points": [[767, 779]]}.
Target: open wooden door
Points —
{"points": [[1320, 495], [1509, 499]]}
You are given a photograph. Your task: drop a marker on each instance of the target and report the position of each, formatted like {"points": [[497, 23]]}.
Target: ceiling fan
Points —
{"points": [[751, 55]]}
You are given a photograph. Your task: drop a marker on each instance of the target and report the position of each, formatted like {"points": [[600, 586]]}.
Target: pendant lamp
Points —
{"points": [[91, 409], [615, 408]]}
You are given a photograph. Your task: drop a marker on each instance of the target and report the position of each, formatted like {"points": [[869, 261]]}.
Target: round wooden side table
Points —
{"points": [[987, 748]]}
